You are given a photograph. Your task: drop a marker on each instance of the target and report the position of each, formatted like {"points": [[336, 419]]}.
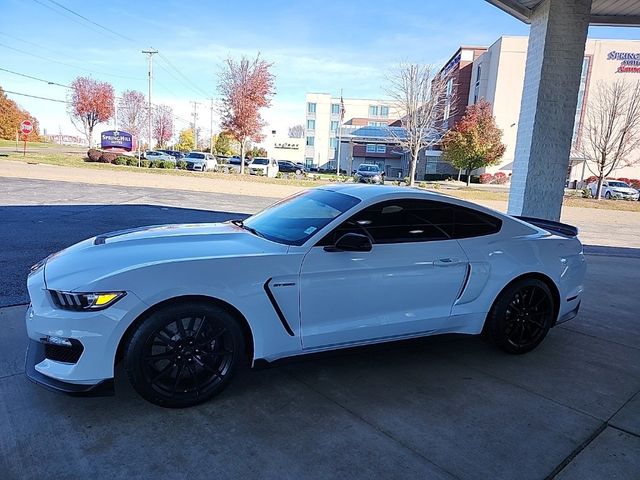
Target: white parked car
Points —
{"points": [[201, 162], [332, 267], [155, 156], [264, 166], [614, 189]]}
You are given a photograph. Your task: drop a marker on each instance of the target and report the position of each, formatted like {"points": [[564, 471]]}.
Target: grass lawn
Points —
{"points": [[55, 146], [74, 157]]}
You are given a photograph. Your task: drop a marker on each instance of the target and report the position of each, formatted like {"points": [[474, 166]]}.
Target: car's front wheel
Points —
{"points": [[184, 354], [521, 316]]}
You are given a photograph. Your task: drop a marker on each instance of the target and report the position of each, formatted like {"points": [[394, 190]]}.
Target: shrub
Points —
{"points": [[93, 155], [145, 163], [108, 157], [181, 164], [121, 160], [586, 193], [486, 178], [500, 178], [635, 183], [132, 161], [625, 180]]}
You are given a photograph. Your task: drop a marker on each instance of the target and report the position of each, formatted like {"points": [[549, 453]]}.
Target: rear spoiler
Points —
{"points": [[551, 226]]}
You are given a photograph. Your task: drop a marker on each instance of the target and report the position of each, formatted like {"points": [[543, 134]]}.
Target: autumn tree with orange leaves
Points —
{"points": [[475, 141], [91, 103], [11, 115], [162, 125], [245, 87]]}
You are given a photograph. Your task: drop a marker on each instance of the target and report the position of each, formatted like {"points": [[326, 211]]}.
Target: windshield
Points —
{"points": [[294, 220], [195, 155], [260, 161], [368, 168], [618, 184]]}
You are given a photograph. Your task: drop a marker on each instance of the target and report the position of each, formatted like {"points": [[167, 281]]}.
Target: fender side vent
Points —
{"points": [[277, 309]]}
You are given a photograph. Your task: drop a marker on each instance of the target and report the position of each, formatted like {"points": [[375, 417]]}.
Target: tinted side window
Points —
{"points": [[403, 221]]}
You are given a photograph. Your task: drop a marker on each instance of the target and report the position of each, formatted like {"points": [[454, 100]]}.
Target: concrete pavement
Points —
{"points": [[448, 407]]}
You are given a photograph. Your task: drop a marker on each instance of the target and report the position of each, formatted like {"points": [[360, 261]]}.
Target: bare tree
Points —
{"points": [[422, 96], [297, 131], [611, 132], [132, 111]]}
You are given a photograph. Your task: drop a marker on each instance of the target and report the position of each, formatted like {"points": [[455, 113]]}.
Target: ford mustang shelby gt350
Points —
{"points": [[332, 267]]}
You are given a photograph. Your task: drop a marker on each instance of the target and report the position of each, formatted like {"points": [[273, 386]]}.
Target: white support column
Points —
{"points": [[552, 78]]}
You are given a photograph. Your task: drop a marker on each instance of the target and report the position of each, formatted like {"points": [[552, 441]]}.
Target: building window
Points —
{"points": [[384, 111], [308, 162], [334, 125], [371, 148], [373, 110], [381, 149], [447, 105], [335, 109], [311, 107], [476, 87], [333, 142], [311, 124], [311, 141], [376, 124]]}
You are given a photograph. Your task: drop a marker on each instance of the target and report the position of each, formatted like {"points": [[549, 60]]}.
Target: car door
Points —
{"points": [[405, 285]]}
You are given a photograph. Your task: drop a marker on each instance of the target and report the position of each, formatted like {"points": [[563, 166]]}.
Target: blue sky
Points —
{"points": [[315, 45]]}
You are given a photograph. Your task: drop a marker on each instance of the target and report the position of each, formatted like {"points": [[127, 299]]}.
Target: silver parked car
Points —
{"points": [[614, 189], [201, 162], [154, 155]]}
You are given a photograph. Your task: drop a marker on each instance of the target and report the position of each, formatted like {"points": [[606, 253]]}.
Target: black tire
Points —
{"points": [[521, 316], [607, 195], [184, 354]]}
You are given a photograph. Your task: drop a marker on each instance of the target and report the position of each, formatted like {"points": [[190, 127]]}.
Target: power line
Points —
{"points": [[35, 96], [24, 52], [35, 78], [193, 85], [91, 21]]}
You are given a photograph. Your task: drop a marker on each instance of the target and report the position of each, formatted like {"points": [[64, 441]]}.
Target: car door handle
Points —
{"points": [[446, 262]]}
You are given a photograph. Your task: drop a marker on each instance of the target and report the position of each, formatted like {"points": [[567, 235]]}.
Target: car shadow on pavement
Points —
{"points": [[30, 233]]}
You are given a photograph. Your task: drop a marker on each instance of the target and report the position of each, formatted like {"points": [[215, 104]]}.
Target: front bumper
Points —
{"points": [[35, 355], [194, 168]]}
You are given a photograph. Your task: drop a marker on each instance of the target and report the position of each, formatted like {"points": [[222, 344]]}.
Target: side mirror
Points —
{"points": [[351, 242]]}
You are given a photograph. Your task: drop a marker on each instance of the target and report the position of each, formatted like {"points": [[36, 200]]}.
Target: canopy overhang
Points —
{"points": [[603, 12]]}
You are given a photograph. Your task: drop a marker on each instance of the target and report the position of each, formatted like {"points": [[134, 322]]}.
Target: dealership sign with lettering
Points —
{"points": [[629, 61], [117, 139]]}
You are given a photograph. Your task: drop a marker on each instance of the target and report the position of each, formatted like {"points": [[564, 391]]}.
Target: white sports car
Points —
{"points": [[337, 266]]}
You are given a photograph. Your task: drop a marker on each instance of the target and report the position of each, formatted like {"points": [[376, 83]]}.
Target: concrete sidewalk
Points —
{"points": [[448, 407]]}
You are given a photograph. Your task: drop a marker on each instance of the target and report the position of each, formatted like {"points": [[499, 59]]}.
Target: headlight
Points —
{"points": [[85, 301], [37, 266], [376, 177]]}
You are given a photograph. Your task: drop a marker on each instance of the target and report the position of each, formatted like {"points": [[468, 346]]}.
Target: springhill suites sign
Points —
{"points": [[629, 61], [117, 139]]}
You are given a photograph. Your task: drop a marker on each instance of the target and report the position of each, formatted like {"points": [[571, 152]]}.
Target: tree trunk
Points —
{"points": [[599, 187], [90, 136], [459, 173], [412, 169], [242, 157], [468, 177]]}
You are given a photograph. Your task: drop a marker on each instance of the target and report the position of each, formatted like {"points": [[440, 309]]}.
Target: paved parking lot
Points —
{"points": [[448, 407]]}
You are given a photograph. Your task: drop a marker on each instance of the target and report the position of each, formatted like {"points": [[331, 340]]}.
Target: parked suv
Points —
{"points": [[613, 189], [201, 162], [369, 173], [264, 166]]}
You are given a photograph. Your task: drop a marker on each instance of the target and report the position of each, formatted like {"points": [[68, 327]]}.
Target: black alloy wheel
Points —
{"points": [[521, 316], [184, 354]]}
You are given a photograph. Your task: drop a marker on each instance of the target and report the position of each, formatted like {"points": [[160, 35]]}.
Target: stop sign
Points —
{"points": [[26, 127]]}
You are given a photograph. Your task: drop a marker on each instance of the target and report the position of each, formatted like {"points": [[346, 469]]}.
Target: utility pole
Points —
{"points": [[211, 128], [195, 128], [151, 53]]}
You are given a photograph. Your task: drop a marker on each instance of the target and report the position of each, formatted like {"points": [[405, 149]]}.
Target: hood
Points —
{"points": [[113, 253], [624, 190]]}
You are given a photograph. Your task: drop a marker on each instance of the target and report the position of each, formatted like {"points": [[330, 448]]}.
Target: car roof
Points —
{"points": [[366, 191]]}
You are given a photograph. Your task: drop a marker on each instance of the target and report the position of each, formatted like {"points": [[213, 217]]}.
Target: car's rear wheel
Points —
{"points": [[184, 354], [607, 195], [521, 316]]}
